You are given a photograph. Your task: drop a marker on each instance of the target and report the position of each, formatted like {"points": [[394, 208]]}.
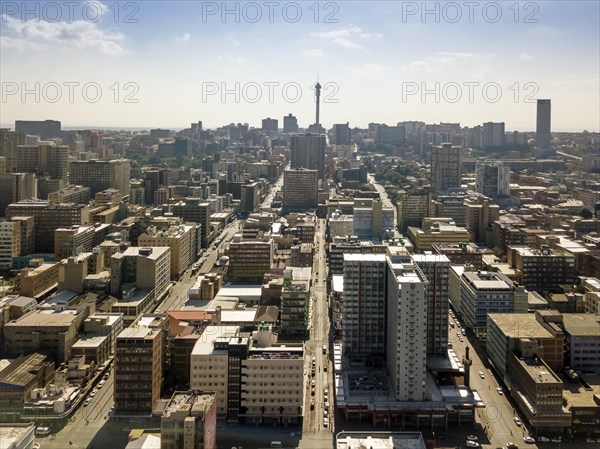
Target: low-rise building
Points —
{"points": [[189, 421]]}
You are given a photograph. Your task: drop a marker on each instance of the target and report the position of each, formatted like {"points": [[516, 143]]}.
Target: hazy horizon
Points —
{"points": [[129, 64]]}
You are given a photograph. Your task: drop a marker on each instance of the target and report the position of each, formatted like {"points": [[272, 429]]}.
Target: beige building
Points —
{"points": [[38, 280], [181, 239], [189, 421], [71, 194], [26, 224], [10, 243], [72, 240], [195, 210], [101, 175], [142, 268], [273, 379], [437, 230], [209, 363], [50, 331]]}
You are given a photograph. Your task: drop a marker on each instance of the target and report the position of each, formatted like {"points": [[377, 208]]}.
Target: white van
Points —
{"points": [[276, 444]]}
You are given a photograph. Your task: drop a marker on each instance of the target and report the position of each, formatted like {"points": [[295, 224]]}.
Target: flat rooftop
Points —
{"points": [[487, 280], [582, 324], [519, 325], [90, 342], [204, 345], [380, 440], [539, 371], [364, 258], [189, 402], [11, 434], [46, 318]]}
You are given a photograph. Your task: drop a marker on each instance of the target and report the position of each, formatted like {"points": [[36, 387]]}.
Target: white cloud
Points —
{"points": [[345, 37], [184, 38], [525, 57], [233, 41], [83, 35], [346, 43], [231, 58], [368, 70], [314, 53]]}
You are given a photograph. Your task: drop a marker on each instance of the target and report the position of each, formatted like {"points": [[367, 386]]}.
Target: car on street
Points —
{"points": [[499, 390], [312, 404], [528, 440], [326, 404], [325, 422], [472, 443], [472, 438], [106, 375], [543, 439], [101, 384], [87, 402], [42, 430], [556, 440], [511, 446], [518, 421], [481, 374]]}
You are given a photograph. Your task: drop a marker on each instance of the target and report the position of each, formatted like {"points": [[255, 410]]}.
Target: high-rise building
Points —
{"points": [[446, 167], [435, 268], [364, 313], [308, 151], [341, 132], [182, 241], [413, 207], [290, 124], [250, 259], [541, 269], [543, 138], [195, 210], [10, 243], [270, 126], [406, 326], [45, 129], [72, 241], [300, 189], [101, 175], [48, 217], [139, 359], [391, 135], [492, 178], [483, 292], [493, 135], [9, 142], [144, 268]]}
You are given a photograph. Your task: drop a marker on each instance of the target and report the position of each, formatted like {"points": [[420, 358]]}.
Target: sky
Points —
{"points": [[167, 64]]}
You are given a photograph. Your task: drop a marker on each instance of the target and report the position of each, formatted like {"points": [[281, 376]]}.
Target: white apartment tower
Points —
{"points": [[406, 326]]}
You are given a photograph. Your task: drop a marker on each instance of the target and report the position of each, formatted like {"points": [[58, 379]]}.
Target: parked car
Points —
{"points": [[511, 446], [556, 440], [325, 422], [42, 430], [472, 438], [481, 374], [106, 375], [472, 443], [528, 440], [543, 439], [518, 421], [101, 384], [499, 390], [87, 402]]}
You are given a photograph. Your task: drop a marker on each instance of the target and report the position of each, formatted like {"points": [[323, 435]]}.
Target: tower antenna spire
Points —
{"points": [[318, 101]]}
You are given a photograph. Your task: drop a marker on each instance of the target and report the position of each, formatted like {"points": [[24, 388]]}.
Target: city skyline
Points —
{"points": [[379, 64]]}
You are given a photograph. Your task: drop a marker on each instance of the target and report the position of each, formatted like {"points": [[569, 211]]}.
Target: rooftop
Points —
{"points": [[488, 280], [380, 440], [519, 325], [192, 401], [46, 318], [582, 324], [538, 370]]}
